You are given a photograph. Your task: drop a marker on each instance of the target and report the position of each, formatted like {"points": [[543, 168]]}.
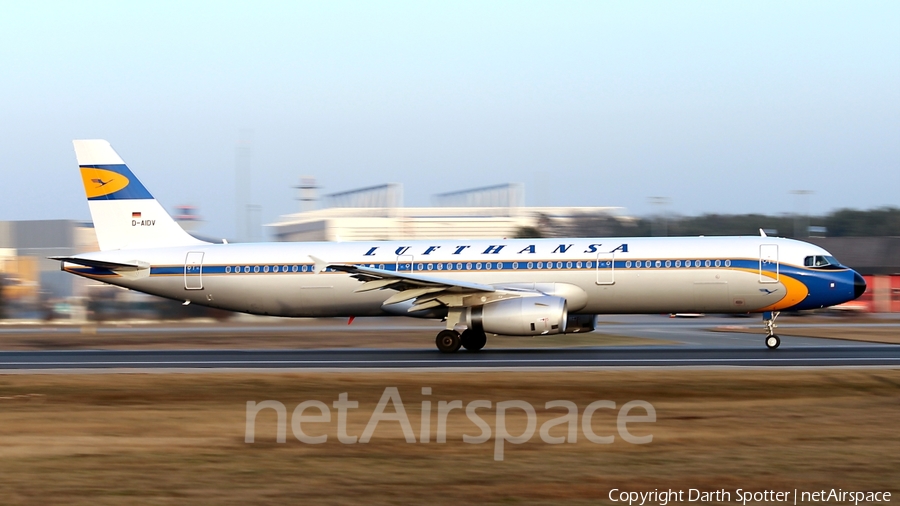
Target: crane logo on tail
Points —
{"points": [[102, 182]]}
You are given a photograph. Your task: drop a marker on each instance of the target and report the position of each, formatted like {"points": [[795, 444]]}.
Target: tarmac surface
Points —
{"points": [[805, 356]]}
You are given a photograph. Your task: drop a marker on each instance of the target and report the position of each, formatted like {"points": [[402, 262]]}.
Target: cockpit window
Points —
{"points": [[822, 262]]}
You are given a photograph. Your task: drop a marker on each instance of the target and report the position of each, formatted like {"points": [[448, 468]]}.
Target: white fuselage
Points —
{"points": [[618, 275]]}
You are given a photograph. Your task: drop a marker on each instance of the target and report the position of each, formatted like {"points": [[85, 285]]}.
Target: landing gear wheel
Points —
{"points": [[772, 341], [447, 341], [473, 340]]}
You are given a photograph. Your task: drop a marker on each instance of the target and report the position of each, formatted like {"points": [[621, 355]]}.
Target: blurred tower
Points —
{"points": [[242, 191], [801, 213], [307, 193], [660, 226], [187, 217]]}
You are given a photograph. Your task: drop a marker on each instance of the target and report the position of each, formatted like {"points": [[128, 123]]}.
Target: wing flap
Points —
{"points": [[411, 294], [430, 303], [375, 284]]}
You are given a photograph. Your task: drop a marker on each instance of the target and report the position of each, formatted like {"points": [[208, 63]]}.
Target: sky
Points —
{"points": [[721, 107]]}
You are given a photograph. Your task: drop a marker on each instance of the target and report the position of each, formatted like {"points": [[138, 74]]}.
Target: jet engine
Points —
{"points": [[522, 316]]}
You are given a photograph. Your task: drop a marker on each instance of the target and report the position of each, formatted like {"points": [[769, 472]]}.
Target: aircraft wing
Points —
{"points": [[429, 291]]}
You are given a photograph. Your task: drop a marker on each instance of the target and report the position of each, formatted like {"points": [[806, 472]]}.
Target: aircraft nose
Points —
{"points": [[859, 285]]}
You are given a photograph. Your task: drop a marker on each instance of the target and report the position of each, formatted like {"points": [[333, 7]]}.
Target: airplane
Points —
{"points": [[514, 287]]}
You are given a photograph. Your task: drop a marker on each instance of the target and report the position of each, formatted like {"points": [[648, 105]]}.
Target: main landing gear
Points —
{"points": [[473, 340], [772, 341], [449, 341]]}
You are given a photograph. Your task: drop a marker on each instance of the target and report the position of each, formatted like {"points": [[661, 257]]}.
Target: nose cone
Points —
{"points": [[859, 285]]}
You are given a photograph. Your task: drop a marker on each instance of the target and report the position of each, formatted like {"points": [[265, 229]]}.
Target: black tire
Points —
{"points": [[447, 341], [773, 342], [473, 340]]}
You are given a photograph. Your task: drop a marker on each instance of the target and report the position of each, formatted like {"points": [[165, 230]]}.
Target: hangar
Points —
{"points": [[377, 214]]}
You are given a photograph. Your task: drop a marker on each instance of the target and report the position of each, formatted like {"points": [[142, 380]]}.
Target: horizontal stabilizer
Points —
{"points": [[102, 264]]}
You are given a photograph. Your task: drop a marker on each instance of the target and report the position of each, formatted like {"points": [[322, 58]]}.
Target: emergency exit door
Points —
{"points": [[193, 271], [769, 268]]}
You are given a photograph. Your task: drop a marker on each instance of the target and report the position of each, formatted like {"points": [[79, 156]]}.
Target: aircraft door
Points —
{"points": [[768, 263], [404, 263], [193, 271], [606, 268]]}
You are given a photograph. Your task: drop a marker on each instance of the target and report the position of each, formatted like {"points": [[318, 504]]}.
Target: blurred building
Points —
{"points": [[377, 214], [24, 248]]}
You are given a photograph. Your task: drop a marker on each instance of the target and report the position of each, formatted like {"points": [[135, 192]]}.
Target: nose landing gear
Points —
{"points": [[772, 341]]}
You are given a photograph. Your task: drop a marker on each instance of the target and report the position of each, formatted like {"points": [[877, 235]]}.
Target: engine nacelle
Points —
{"points": [[522, 316], [580, 323]]}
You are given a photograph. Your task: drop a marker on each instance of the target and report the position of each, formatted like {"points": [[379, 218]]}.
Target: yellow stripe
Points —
{"points": [[795, 291]]}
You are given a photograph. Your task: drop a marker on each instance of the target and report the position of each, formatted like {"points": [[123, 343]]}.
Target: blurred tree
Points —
{"points": [[528, 233], [723, 224], [884, 221], [844, 222]]}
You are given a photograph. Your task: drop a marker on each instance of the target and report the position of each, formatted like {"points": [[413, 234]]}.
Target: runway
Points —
{"points": [[693, 344], [426, 359]]}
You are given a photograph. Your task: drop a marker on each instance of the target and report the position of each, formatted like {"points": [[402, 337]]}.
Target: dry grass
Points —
{"points": [[179, 438]]}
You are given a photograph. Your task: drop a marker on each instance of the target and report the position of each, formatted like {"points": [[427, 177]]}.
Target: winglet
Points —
{"points": [[762, 233], [321, 265]]}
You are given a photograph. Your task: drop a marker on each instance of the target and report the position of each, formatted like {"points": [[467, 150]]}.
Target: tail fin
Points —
{"points": [[125, 214]]}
